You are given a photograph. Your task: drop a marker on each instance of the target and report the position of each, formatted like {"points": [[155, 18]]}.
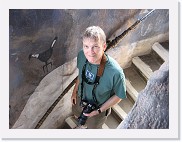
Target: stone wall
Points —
{"points": [[151, 110]]}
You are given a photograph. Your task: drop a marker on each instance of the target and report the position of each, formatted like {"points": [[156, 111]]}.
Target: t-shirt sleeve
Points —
{"points": [[80, 63], [120, 85], [80, 59]]}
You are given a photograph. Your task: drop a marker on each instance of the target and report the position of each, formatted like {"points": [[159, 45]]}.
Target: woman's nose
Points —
{"points": [[91, 49]]}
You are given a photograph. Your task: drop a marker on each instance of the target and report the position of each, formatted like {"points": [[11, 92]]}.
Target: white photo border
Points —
{"points": [[171, 133]]}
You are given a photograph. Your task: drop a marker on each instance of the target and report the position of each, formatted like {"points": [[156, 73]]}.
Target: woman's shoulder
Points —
{"points": [[80, 53], [113, 64], [80, 59]]}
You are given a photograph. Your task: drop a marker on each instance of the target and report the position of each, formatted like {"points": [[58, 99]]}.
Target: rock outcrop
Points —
{"points": [[151, 110]]}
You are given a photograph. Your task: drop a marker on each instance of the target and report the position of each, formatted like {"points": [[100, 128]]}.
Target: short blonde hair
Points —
{"points": [[96, 33]]}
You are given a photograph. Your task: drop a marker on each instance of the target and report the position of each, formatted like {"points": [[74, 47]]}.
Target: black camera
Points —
{"points": [[87, 108]]}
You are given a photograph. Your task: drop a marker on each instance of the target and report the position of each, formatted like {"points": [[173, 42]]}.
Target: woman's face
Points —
{"points": [[93, 50]]}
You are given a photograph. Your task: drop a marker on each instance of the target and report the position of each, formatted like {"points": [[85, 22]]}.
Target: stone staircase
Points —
{"points": [[137, 74]]}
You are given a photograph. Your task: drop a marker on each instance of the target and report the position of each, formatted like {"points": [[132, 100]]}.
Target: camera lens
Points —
{"points": [[87, 109], [82, 120]]}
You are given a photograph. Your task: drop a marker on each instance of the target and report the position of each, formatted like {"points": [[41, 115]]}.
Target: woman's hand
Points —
{"points": [[75, 92], [93, 113], [73, 98]]}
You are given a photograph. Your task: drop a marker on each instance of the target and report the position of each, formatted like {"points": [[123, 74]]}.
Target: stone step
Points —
{"points": [[104, 126], [153, 60], [131, 90], [126, 104], [161, 51], [72, 123], [113, 120], [134, 81], [142, 67], [119, 111]]}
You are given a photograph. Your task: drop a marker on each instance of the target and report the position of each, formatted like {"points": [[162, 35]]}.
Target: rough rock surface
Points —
{"points": [[151, 110], [49, 89]]}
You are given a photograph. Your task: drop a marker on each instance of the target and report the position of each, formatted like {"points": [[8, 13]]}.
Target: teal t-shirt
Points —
{"points": [[111, 82]]}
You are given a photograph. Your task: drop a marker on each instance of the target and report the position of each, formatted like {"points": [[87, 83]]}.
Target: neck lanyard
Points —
{"points": [[96, 82]]}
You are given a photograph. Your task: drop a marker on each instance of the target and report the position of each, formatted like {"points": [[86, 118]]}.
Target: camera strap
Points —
{"points": [[100, 72]]}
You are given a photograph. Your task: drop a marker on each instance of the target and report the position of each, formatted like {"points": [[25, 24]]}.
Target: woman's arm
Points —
{"points": [[109, 103], [74, 94]]}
